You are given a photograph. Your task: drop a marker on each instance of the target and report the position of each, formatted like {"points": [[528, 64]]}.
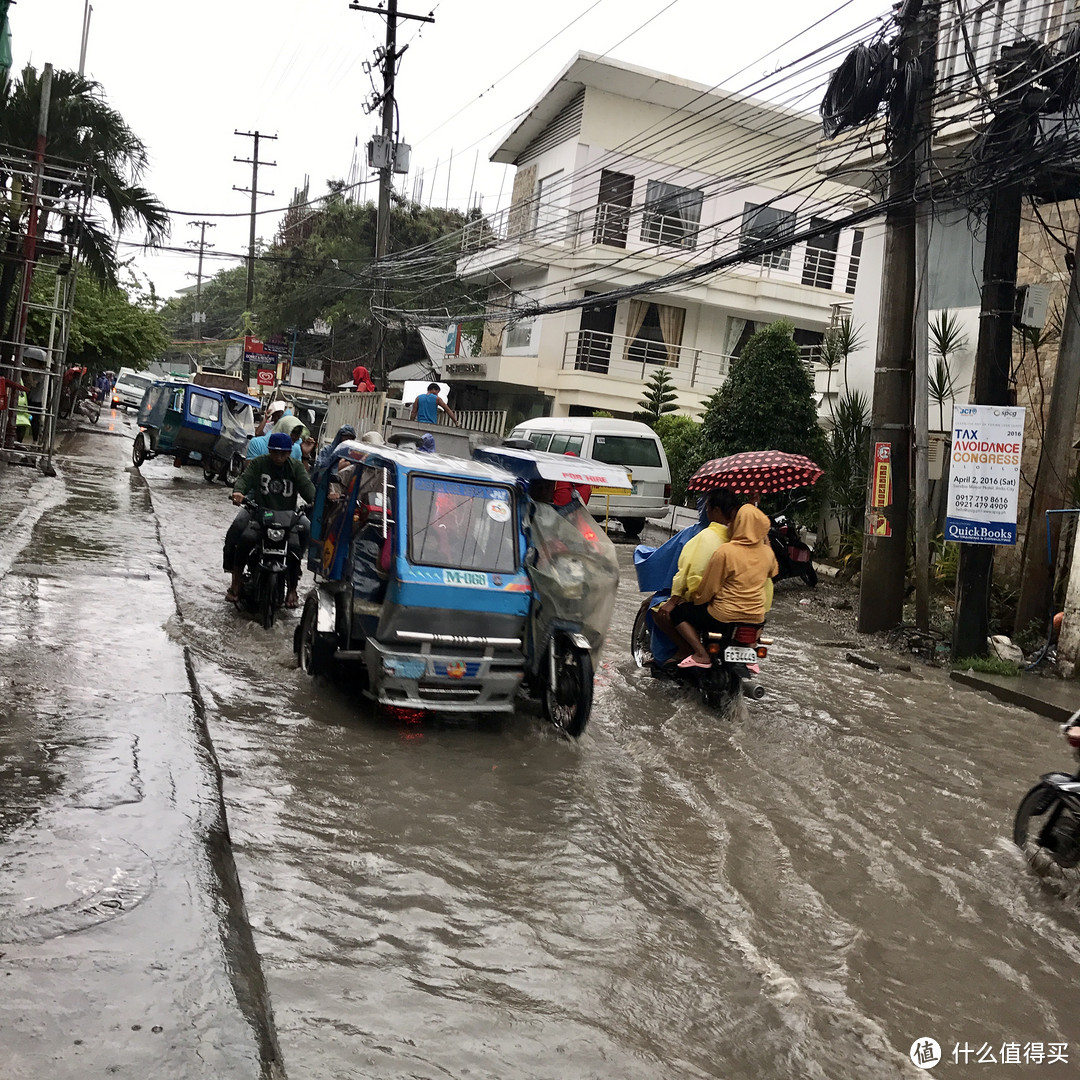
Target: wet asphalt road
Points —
{"points": [[801, 890]]}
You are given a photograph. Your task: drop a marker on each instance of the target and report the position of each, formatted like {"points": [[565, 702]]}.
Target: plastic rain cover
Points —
{"points": [[574, 570]]}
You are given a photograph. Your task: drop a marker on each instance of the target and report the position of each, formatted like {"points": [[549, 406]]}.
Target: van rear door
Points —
{"points": [[643, 457]]}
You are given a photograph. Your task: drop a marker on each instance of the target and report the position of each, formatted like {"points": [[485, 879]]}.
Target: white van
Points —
{"points": [[130, 385], [629, 443]]}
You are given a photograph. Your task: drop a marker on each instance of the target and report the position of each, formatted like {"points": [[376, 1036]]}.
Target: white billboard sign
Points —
{"points": [[984, 474]]}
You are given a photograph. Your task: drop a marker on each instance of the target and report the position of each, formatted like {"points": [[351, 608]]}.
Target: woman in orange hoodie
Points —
{"points": [[733, 586]]}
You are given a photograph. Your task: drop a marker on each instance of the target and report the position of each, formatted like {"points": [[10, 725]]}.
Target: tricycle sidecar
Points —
{"points": [[195, 424], [420, 579]]}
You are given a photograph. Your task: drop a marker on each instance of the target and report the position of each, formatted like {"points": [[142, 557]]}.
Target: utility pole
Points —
{"points": [[1015, 122], [1052, 479], [881, 589], [254, 162], [993, 360], [87, 12], [390, 59], [199, 316], [924, 213]]}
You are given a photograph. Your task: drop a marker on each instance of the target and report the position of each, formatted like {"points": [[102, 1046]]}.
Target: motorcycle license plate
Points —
{"points": [[798, 554], [733, 654]]}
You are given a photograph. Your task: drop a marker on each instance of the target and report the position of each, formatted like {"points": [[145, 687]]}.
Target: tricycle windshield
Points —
{"points": [[463, 525]]}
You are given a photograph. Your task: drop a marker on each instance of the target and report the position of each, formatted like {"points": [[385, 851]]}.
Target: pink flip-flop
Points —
{"points": [[691, 662]]}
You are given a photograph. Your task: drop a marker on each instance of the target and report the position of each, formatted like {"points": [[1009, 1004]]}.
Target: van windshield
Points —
{"points": [[628, 450], [465, 526]]}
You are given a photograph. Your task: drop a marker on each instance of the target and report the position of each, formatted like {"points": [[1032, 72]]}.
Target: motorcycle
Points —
{"points": [[792, 555], [81, 400], [263, 584], [1048, 818], [735, 657]]}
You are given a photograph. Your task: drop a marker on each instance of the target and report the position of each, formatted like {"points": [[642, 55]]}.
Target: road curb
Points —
{"points": [[246, 972], [1019, 694]]}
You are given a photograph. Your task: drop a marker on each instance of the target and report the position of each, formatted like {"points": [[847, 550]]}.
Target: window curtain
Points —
{"points": [[672, 320], [735, 328], [638, 310]]}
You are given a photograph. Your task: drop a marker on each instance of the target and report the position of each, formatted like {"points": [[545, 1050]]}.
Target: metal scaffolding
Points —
{"points": [[44, 205]]}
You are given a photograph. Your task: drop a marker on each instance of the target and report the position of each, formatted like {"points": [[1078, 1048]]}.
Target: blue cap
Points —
{"points": [[280, 441], [427, 444]]}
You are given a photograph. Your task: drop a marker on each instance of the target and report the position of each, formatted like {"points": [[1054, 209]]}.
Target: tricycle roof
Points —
{"points": [[209, 391], [406, 461], [541, 465]]}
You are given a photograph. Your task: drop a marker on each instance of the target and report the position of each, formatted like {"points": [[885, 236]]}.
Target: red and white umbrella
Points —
{"points": [[759, 472]]}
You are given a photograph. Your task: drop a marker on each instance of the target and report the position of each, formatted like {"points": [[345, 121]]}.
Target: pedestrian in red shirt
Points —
{"points": [[362, 380], [564, 490]]}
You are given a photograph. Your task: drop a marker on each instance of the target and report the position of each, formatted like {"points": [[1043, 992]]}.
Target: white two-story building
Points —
{"points": [[623, 176]]}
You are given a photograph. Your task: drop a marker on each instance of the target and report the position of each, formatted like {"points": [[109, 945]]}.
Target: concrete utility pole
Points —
{"points": [[386, 172], [87, 12], [881, 589], [198, 317], [928, 63], [993, 361], [254, 162], [1052, 479]]}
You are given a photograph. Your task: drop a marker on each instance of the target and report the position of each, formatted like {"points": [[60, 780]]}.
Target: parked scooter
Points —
{"points": [[793, 556], [264, 581], [1048, 819]]}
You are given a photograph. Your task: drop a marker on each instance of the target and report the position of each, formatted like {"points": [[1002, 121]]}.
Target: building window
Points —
{"points": [[613, 208], [519, 336], [672, 215], [654, 333], [853, 262], [820, 263], [765, 224]]}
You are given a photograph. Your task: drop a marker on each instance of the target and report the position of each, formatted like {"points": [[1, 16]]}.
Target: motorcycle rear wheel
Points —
{"points": [[93, 411], [1044, 819], [810, 575], [138, 450], [719, 688], [568, 704]]}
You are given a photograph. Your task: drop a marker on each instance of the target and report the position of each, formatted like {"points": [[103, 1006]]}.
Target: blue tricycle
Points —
{"points": [[449, 587], [195, 424]]}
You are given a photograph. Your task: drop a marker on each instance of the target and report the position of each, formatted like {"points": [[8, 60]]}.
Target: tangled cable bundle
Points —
{"points": [[1061, 75], [857, 88], [905, 96]]}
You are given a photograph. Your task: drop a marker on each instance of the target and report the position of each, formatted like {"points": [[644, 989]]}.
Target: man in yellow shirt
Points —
{"points": [[720, 507], [732, 588]]}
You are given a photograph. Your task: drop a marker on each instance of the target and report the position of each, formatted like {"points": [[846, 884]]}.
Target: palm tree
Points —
{"points": [[946, 337], [85, 132]]}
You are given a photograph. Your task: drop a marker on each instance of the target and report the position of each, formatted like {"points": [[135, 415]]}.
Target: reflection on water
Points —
{"points": [[799, 891]]}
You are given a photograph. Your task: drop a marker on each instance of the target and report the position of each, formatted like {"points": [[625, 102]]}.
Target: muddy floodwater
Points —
{"points": [[802, 889]]}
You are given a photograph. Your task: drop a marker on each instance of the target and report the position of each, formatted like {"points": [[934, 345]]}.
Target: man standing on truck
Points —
{"points": [[425, 408]]}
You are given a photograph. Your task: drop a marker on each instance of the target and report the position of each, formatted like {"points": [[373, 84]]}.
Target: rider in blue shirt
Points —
{"points": [[259, 445]]}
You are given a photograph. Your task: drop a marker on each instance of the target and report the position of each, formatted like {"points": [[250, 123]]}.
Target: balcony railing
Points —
{"points": [[638, 230], [635, 360]]}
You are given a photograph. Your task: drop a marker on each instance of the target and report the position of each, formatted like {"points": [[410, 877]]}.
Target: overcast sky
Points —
{"points": [[186, 75]]}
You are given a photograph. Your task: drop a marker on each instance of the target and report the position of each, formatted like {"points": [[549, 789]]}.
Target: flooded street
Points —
{"points": [[801, 890]]}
